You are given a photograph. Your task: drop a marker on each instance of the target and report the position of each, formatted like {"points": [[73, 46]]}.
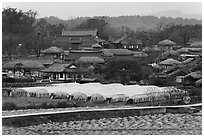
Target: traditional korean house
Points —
{"points": [[140, 56], [169, 62], [199, 83], [117, 53], [53, 52], [192, 77], [76, 54], [80, 70], [153, 52], [166, 44], [196, 45], [127, 43], [78, 39], [21, 68], [192, 40], [61, 71]]}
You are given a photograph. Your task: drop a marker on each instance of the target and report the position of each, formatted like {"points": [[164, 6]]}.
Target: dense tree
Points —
{"points": [[122, 70], [24, 34], [104, 30], [16, 27]]}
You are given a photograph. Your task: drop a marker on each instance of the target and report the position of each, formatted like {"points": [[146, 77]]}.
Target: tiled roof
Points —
{"points": [[53, 50], [76, 54], [120, 39], [199, 81], [64, 41], [79, 32], [187, 60], [75, 40], [56, 67], [30, 64], [196, 75]]}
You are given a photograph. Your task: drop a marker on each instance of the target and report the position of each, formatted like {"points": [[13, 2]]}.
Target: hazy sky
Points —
{"points": [[67, 10]]}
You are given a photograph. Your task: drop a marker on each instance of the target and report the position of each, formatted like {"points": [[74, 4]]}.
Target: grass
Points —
{"points": [[37, 103], [25, 101]]}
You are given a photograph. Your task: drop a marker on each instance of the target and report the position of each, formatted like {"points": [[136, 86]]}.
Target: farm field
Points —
{"points": [[158, 124]]}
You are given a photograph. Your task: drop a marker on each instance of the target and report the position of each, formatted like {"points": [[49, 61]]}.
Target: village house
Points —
{"points": [[61, 71], [81, 69], [78, 39], [22, 68], [73, 55], [191, 78], [169, 62], [126, 42], [53, 52], [166, 44], [117, 53]]}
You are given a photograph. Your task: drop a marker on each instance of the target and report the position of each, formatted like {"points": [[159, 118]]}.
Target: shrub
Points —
{"points": [[9, 106], [62, 104]]}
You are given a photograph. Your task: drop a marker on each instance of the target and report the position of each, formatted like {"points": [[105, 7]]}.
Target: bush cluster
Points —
{"points": [[9, 106], [62, 104]]}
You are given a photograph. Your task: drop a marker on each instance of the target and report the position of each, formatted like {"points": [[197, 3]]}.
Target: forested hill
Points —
{"points": [[133, 22]]}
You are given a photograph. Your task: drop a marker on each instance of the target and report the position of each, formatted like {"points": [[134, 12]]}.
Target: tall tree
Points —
{"points": [[16, 26]]}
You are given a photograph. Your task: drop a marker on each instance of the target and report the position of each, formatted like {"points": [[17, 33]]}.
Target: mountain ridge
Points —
{"points": [[134, 22]]}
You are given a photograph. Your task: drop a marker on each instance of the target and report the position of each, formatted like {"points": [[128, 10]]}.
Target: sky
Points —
{"points": [[68, 10]]}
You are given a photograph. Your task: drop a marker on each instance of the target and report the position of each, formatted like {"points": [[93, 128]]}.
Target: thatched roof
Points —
{"points": [[90, 60], [120, 39], [196, 45], [26, 64], [166, 42], [121, 52], [199, 81], [53, 50], [56, 67], [195, 49], [188, 60], [170, 61], [183, 50], [195, 75]]}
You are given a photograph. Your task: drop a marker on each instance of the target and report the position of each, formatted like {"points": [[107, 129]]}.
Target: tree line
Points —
{"points": [[24, 34]]}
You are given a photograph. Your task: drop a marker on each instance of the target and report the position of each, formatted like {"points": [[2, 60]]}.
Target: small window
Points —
{"points": [[61, 75]]}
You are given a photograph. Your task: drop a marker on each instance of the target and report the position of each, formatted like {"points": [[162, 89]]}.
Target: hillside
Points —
{"points": [[134, 22]]}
